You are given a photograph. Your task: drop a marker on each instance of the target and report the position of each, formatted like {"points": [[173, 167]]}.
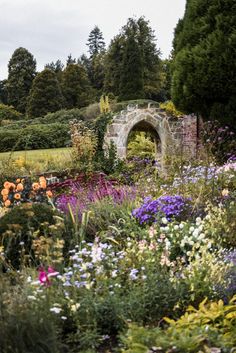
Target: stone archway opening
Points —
{"points": [[143, 141]]}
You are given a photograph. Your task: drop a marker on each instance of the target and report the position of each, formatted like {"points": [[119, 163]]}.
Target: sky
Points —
{"points": [[52, 29]]}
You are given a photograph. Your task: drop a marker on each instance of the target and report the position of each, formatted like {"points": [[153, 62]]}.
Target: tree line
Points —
{"points": [[199, 76], [130, 68]]}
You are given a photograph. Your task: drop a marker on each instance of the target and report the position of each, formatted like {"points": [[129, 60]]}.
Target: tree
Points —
{"points": [[45, 95], [22, 70], [55, 66], [75, 86], [3, 91], [131, 81], [113, 61], [136, 34], [204, 79], [70, 60], [96, 42]]}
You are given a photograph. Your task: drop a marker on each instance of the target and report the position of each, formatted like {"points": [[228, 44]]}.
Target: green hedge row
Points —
{"points": [[34, 137]]}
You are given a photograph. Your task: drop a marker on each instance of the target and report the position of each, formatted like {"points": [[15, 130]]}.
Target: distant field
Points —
{"points": [[36, 160]]}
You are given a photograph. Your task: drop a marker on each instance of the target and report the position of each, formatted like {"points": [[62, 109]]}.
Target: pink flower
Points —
{"points": [[43, 277]]}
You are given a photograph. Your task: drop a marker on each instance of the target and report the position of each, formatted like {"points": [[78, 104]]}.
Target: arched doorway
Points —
{"points": [[143, 141]]}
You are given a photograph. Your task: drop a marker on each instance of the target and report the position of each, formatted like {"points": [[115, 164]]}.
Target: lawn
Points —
{"points": [[36, 160]]}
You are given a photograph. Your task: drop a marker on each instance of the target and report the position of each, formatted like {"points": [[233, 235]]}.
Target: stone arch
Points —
{"points": [[145, 121], [172, 133]]}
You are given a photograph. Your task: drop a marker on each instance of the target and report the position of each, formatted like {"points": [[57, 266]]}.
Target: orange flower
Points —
{"points": [[5, 197], [12, 185], [18, 180], [19, 187], [7, 185], [43, 185], [35, 186], [17, 196], [7, 203], [4, 192], [49, 193], [42, 178]]}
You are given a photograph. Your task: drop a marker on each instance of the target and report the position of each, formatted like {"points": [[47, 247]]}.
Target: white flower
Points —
{"points": [[31, 297], [181, 226], [63, 317], [176, 227], [56, 310], [198, 220], [164, 220], [191, 229], [195, 232]]}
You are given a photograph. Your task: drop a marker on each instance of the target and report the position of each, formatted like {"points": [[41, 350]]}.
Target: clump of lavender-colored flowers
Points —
{"points": [[80, 194], [165, 206]]}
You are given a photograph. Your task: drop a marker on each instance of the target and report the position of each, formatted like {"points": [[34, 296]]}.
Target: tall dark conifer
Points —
{"points": [[204, 71], [131, 80], [21, 72]]}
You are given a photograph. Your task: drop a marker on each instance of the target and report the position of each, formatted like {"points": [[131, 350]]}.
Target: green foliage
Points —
{"points": [[96, 42], [131, 81], [140, 145], [22, 70], [211, 328], [45, 95], [135, 44], [17, 227], [9, 113], [75, 86], [26, 326], [34, 137], [204, 60], [3, 91], [221, 224]]}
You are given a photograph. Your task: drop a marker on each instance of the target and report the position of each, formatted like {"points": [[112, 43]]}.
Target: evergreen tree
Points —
{"points": [[204, 79], [113, 65], [131, 81], [75, 86], [3, 91], [55, 66], [145, 47], [45, 94], [70, 60], [21, 72], [96, 42]]}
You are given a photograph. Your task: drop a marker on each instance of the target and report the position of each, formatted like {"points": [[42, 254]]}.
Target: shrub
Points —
{"points": [[7, 112], [34, 137], [17, 227], [210, 328]]}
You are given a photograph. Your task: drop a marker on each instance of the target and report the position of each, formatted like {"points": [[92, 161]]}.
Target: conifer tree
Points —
{"points": [[96, 42], [45, 94], [75, 86], [150, 71], [21, 72], [131, 81], [204, 79]]}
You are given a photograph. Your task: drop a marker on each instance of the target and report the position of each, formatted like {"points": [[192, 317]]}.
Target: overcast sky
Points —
{"points": [[52, 29]]}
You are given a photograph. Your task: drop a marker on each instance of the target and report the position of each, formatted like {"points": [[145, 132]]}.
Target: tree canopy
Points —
{"points": [[45, 94], [204, 79], [21, 72]]}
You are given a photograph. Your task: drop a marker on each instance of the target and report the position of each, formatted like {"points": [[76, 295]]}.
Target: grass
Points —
{"points": [[36, 161]]}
